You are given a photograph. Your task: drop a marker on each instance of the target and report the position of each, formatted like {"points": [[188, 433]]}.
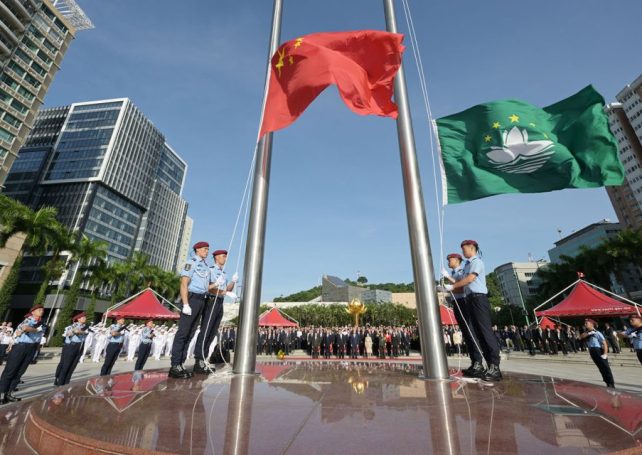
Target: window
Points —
{"points": [[17, 68], [18, 106], [11, 120], [6, 135]]}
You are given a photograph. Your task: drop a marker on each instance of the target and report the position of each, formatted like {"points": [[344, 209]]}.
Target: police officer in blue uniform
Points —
{"points": [[474, 285], [145, 346], [196, 282], [463, 314], [635, 334], [213, 312], [115, 339], [598, 350], [75, 335], [28, 335]]}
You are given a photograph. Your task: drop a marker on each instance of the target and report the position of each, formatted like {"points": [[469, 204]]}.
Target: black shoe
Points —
{"points": [[493, 373], [56, 382], [610, 386], [477, 370], [200, 368], [178, 372], [9, 398]]}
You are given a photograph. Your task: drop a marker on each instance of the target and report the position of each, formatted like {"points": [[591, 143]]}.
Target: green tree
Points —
{"points": [[87, 254], [362, 280], [6, 292], [61, 239]]}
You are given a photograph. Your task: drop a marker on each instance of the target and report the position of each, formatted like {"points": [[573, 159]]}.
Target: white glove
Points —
{"points": [[633, 335], [445, 272], [220, 281], [449, 287], [39, 329], [235, 278], [592, 332], [187, 310], [604, 356], [231, 295]]}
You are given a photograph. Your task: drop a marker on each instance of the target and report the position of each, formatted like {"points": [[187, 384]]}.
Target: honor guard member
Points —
{"points": [[28, 335], [474, 285], [462, 314], [115, 339], [75, 336], [145, 346], [196, 281], [213, 312], [635, 334], [598, 350]]}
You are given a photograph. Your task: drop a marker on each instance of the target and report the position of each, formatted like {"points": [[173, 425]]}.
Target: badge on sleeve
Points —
{"points": [[187, 267]]}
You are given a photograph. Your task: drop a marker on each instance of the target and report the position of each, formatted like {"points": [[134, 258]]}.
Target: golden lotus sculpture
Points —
{"points": [[356, 308], [359, 384]]}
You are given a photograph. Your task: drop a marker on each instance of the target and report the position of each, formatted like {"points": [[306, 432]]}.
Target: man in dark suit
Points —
{"points": [[355, 339]]}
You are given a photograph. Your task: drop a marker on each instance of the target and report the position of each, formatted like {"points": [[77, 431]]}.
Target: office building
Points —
{"points": [[185, 246], [518, 281], [111, 175]]}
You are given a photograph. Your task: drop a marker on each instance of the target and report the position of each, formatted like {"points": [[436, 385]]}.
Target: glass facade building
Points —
{"points": [[34, 37], [111, 175]]}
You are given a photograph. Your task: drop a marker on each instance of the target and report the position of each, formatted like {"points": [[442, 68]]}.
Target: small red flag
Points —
{"points": [[361, 63]]}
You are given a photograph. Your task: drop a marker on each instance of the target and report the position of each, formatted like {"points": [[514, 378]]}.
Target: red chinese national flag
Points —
{"points": [[361, 63]]}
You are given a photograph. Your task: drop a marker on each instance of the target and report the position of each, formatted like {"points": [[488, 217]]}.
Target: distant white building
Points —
{"points": [[518, 281]]}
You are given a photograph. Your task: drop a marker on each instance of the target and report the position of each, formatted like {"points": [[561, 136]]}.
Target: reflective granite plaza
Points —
{"points": [[312, 407]]}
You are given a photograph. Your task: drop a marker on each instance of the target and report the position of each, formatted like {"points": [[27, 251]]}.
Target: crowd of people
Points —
{"points": [[339, 342]]}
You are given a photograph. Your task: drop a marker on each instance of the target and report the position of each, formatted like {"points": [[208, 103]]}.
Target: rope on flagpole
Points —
{"points": [[414, 44]]}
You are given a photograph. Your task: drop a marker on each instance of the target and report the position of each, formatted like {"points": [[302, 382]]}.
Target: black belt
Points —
{"points": [[475, 293], [195, 294]]}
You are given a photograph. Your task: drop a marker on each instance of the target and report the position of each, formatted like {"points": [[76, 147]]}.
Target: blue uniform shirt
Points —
{"points": [[74, 337], [595, 340], [146, 335], [635, 335], [458, 274], [199, 274], [115, 339], [476, 266], [218, 272], [29, 337]]}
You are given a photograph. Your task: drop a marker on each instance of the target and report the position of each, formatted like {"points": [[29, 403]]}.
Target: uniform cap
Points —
{"points": [[78, 316], [34, 308], [470, 242], [454, 255], [635, 316], [592, 321], [198, 245], [217, 252]]}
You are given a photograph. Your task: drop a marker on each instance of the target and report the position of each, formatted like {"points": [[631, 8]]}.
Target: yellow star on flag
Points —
{"points": [[487, 138], [514, 118], [533, 125], [496, 125], [298, 42]]}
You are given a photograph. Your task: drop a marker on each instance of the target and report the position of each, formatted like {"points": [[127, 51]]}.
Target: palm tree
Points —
{"points": [[61, 240], [99, 277], [88, 253]]}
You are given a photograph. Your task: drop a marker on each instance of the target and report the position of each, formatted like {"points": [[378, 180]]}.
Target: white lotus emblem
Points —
{"points": [[517, 155]]}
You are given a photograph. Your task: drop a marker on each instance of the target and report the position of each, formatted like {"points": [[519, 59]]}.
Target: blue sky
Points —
{"points": [[196, 69]]}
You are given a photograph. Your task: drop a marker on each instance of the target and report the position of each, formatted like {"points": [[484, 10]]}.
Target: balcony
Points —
{"points": [[12, 20], [20, 9]]}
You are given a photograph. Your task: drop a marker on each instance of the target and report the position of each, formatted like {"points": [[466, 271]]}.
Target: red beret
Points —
{"points": [[78, 316], [454, 255], [635, 316], [35, 307], [198, 245], [592, 321], [217, 252], [470, 242]]}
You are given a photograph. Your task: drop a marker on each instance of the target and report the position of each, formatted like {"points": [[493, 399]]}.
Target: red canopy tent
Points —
{"points": [[546, 323], [274, 318], [585, 300], [144, 305], [447, 315]]}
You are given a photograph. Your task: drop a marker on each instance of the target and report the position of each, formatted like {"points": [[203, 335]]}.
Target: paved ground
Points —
{"points": [[627, 372]]}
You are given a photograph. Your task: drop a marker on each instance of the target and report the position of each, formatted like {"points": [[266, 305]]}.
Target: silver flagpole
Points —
{"points": [[245, 349], [433, 354]]}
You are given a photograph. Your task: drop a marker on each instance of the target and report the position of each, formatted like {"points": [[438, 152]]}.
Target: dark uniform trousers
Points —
{"points": [[17, 362], [3, 352], [462, 314], [69, 358], [186, 328], [212, 316], [143, 354], [602, 365], [111, 355], [479, 312]]}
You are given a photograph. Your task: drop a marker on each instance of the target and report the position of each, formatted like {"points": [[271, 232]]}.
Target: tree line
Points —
{"points": [[67, 250]]}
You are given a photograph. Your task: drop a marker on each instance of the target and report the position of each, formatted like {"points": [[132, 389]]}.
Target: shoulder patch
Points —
{"points": [[187, 267]]}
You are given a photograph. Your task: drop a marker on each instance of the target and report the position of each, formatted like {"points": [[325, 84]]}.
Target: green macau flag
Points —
{"points": [[514, 147]]}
